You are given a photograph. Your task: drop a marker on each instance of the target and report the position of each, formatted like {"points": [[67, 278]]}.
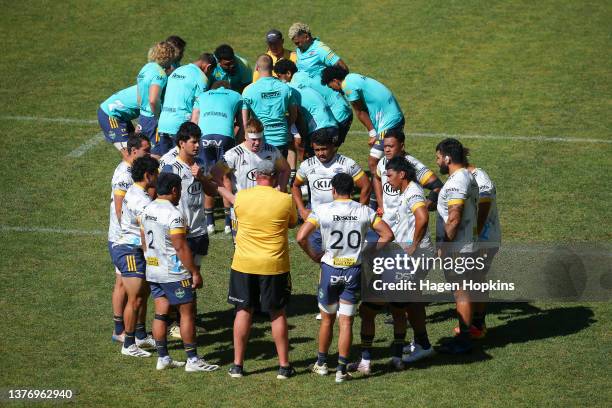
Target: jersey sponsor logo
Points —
{"points": [[211, 143], [269, 95], [322, 184], [150, 217], [251, 175], [178, 76], [345, 218], [212, 113], [195, 188], [153, 261], [341, 280], [389, 190], [178, 220], [179, 293], [124, 184]]}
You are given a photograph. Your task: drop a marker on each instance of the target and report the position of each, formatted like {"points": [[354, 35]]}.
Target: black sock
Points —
{"points": [[162, 347], [210, 216], [321, 358], [366, 346], [191, 350], [397, 348], [422, 339], [129, 339], [119, 327], [479, 320], [342, 362], [141, 331]]}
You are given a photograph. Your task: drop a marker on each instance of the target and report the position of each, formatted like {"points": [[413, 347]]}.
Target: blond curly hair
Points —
{"points": [[298, 28], [163, 53]]}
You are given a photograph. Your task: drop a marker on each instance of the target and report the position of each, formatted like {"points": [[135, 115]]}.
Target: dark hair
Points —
{"points": [[177, 41], [398, 164], [219, 84], [135, 141], [454, 149], [142, 165], [208, 58], [224, 52], [397, 134], [284, 66], [331, 73], [188, 130], [166, 182], [322, 138], [343, 184]]}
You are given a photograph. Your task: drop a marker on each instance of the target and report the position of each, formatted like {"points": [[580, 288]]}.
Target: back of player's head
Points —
{"points": [[264, 63], [322, 139], [188, 130], [284, 66], [177, 41], [219, 84], [343, 184], [397, 134], [454, 150], [166, 182], [162, 53], [253, 125], [399, 164], [208, 58], [297, 29], [224, 53], [142, 165], [331, 73], [134, 142]]}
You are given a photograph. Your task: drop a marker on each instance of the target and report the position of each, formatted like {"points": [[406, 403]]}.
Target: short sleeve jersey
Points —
{"points": [[134, 202], [269, 100], [383, 109], [491, 231], [183, 86], [243, 163], [168, 158], [343, 224], [339, 106], [460, 188], [318, 176], [242, 76], [313, 108], [159, 221], [404, 223], [151, 74], [218, 108], [123, 104], [120, 183], [314, 60]]}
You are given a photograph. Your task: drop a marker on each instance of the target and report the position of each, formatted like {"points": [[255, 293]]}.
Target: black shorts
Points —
{"points": [[262, 292], [199, 247]]}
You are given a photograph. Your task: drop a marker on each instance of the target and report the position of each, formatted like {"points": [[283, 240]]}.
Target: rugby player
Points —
{"points": [[312, 54], [343, 224], [137, 146], [184, 84], [232, 68], [171, 273], [270, 101], [314, 114], [129, 258], [455, 230], [276, 50], [151, 82], [374, 105], [115, 117], [217, 112], [180, 46]]}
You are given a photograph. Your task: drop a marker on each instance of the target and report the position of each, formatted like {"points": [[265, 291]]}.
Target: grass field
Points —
{"points": [[515, 68]]}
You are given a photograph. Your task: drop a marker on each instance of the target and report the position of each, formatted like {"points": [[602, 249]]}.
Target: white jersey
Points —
{"points": [[460, 188], [319, 175], [159, 221], [491, 232], [134, 202], [404, 223], [391, 198], [243, 163], [122, 180], [192, 196], [169, 158], [344, 224]]}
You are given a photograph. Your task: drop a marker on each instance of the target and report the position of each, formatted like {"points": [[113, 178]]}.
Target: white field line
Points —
{"points": [[89, 144], [41, 119]]}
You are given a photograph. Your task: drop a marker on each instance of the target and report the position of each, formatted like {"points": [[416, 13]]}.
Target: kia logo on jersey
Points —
{"points": [[195, 188], [390, 190], [251, 175], [322, 184]]}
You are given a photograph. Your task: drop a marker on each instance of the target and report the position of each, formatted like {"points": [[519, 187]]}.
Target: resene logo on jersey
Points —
{"points": [[345, 218], [322, 184], [389, 190]]}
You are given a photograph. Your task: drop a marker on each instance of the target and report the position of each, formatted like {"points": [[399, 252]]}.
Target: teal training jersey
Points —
{"points": [[242, 76], [151, 74], [122, 105], [384, 110], [337, 103], [218, 108], [183, 86], [269, 100], [314, 60], [313, 108]]}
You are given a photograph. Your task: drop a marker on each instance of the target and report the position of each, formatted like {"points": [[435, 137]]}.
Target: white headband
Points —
{"points": [[257, 135]]}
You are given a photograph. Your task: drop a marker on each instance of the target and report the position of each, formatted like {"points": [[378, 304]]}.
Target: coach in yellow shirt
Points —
{"points": [[276, 50], [260, 268]]}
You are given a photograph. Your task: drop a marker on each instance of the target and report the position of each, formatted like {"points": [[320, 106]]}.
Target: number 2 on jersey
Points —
{"points": [[353, 239]]}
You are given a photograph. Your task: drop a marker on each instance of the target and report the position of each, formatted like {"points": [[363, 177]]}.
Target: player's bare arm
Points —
{"points": [[363, 183], [483, 212], [377, 185], [154, 99], [302, 239], [195, 116], [385, 234], [454, 219], [296, 192], [421, 220]]}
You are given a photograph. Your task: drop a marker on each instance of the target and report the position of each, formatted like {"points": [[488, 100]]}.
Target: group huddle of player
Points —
{"points": [[212, 126]]}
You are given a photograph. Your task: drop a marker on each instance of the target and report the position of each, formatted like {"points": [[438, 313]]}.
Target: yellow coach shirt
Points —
{"points": [[287, 54], [264, 216]]}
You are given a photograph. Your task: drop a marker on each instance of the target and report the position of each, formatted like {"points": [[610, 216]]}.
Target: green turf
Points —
{"points": [[515, 68]]}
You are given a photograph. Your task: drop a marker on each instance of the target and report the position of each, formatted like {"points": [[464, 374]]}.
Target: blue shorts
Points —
{"points": [[177, 293], [213, 147], [147, 126], [115, 130], [163, 143], [130, 261], [339, 283], [110, 251], [377, 149]]}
